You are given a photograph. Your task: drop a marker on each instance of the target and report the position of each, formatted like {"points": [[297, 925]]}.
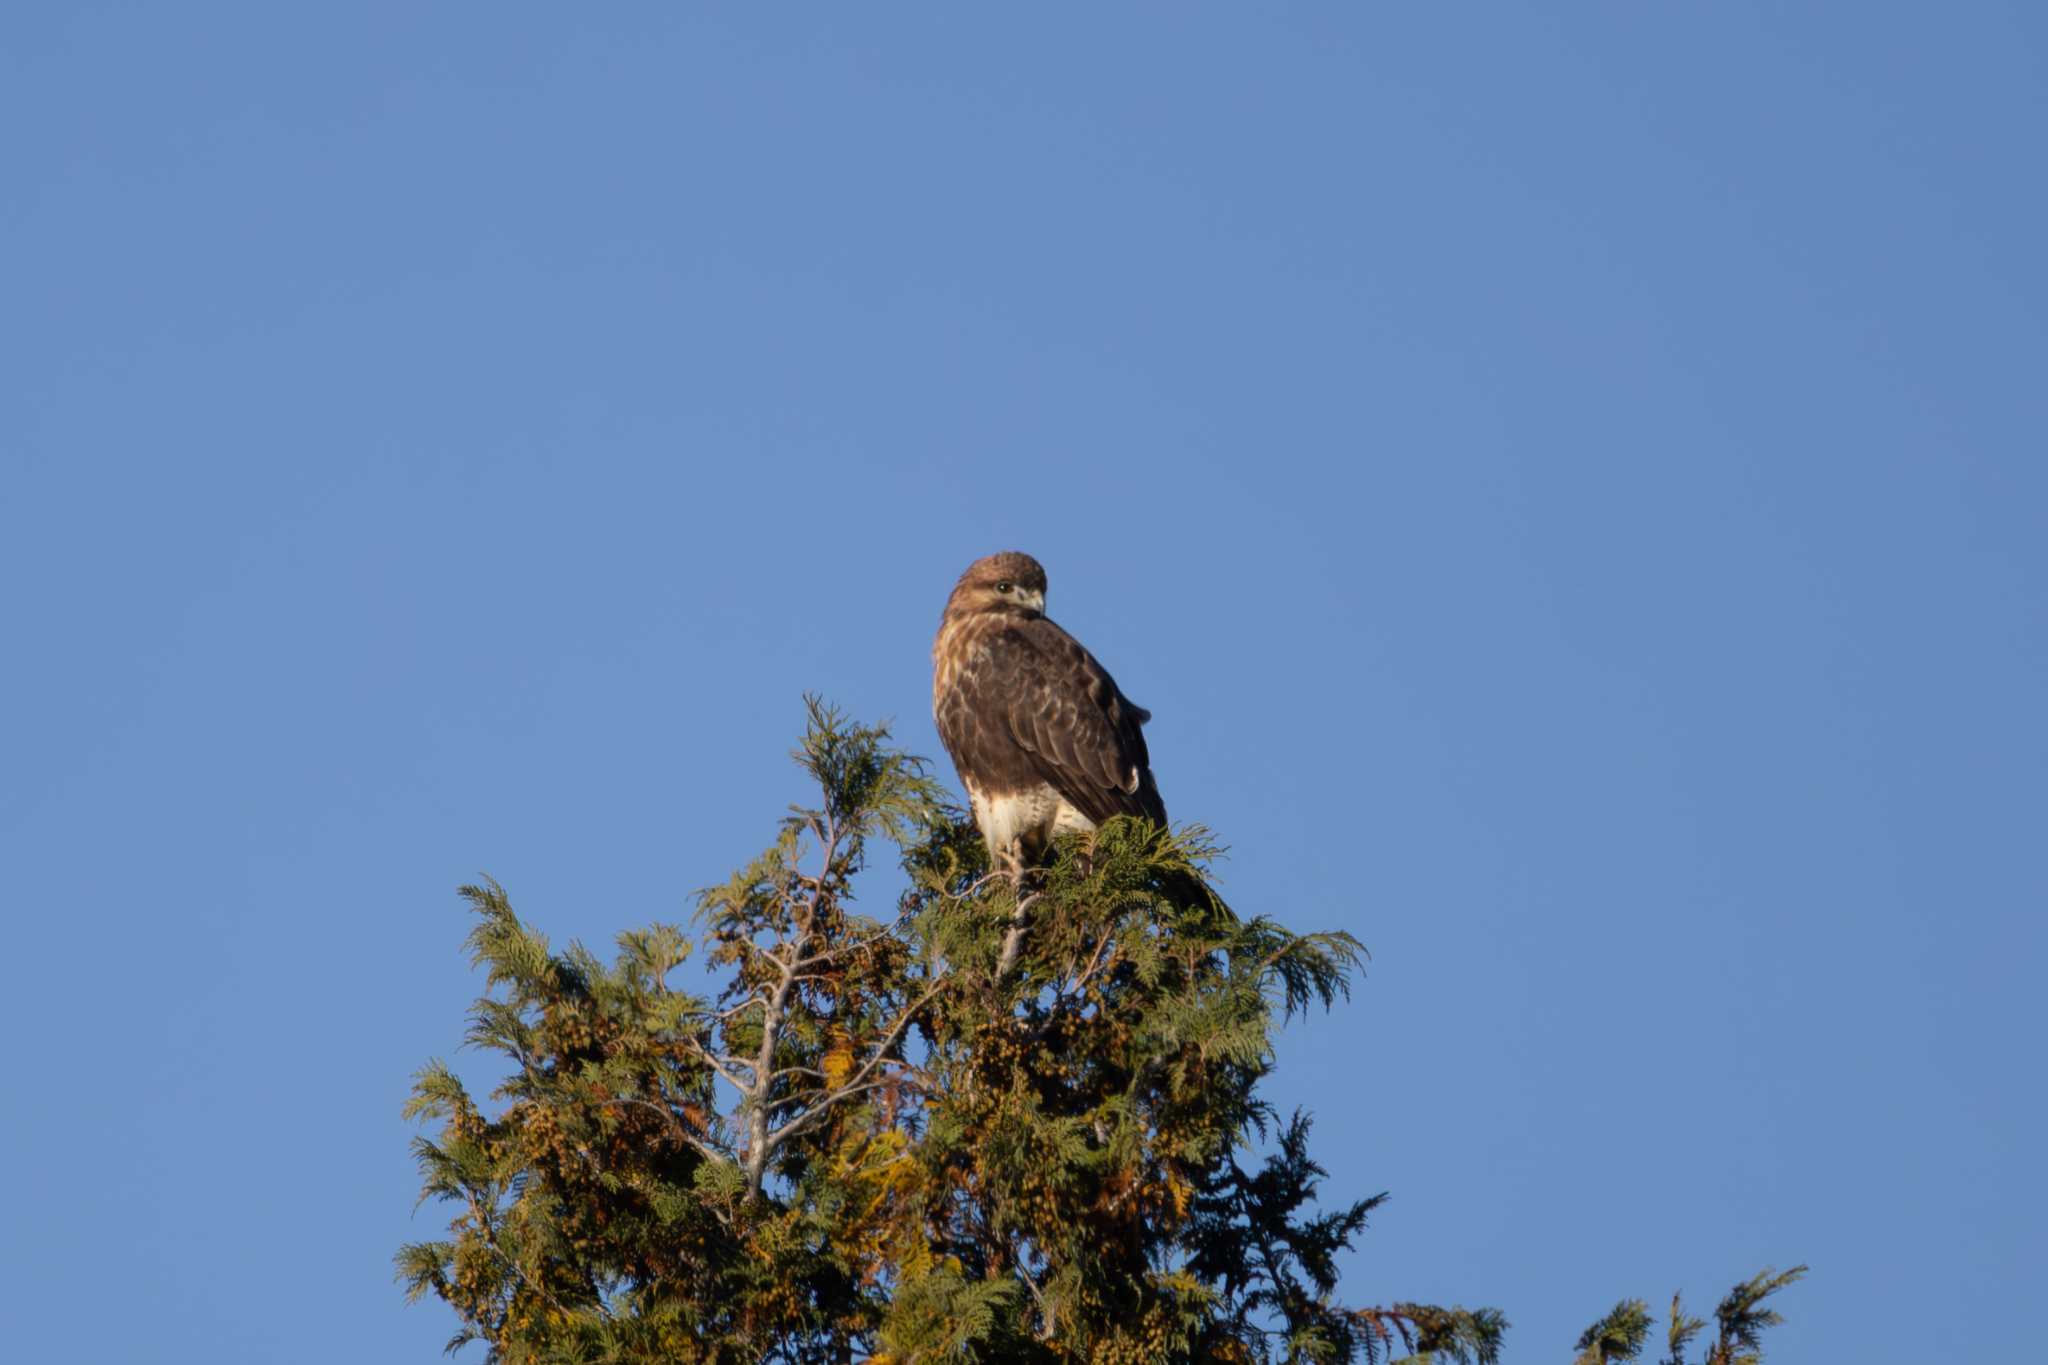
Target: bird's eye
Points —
{"points": [[1002, 587]]}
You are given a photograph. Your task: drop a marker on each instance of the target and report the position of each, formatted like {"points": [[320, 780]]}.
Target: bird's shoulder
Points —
{"points": [[1036, 654]]}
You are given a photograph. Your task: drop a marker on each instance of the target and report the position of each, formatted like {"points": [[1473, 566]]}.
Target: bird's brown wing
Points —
{"points": [[1064, 710], [972, 709]]}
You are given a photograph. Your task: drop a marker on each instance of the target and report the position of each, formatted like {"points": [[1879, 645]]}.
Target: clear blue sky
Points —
{"points": [[1568, 479]]}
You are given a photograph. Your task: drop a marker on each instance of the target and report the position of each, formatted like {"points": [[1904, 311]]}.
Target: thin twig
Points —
{"points": [[858, 1082], [682, 1130]]}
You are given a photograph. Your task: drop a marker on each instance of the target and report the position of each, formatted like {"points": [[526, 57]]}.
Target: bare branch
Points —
{"points": [[1013, 941], [746, 1004], [1095, 963], [717, 1063], [826, 955], [811, 1115], [856, 1083], [682, 1129]]}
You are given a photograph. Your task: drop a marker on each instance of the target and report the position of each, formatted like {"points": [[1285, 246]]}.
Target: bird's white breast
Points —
{"points": [[1031, 818]]}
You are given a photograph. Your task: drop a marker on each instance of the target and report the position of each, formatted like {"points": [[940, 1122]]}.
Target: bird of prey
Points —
{"points": [[1044, 741]]}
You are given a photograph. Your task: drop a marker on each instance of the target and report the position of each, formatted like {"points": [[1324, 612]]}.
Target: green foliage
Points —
{"points": [[1683, 1330], [1741, 1318], [1618, 1336], [1008, 1122]]}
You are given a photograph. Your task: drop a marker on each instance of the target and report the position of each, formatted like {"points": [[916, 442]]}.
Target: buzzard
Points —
{"points": [[1044, 741]]}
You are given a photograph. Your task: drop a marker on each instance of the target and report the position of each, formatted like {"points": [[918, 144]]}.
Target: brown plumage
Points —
{"points": [[1043, 740]]}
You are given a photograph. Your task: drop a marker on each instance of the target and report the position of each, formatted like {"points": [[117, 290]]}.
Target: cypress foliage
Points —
{"points": [[1000, 1124], [1740, 1316]]}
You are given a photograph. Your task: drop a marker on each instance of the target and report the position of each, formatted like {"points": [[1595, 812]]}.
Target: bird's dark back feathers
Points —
{"points": [[1028, 704]]}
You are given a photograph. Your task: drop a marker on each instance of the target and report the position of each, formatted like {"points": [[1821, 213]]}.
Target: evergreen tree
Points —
{"points": [[1006, 1123]]}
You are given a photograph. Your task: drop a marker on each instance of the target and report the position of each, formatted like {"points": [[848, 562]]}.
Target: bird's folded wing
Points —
{"points": [[1065, 710]]}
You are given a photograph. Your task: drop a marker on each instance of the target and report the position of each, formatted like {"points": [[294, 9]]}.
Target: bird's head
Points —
{"points": [[1009, 582]]}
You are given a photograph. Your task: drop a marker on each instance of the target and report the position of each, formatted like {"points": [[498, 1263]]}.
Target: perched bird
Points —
{"points": [[1043, 740]]}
